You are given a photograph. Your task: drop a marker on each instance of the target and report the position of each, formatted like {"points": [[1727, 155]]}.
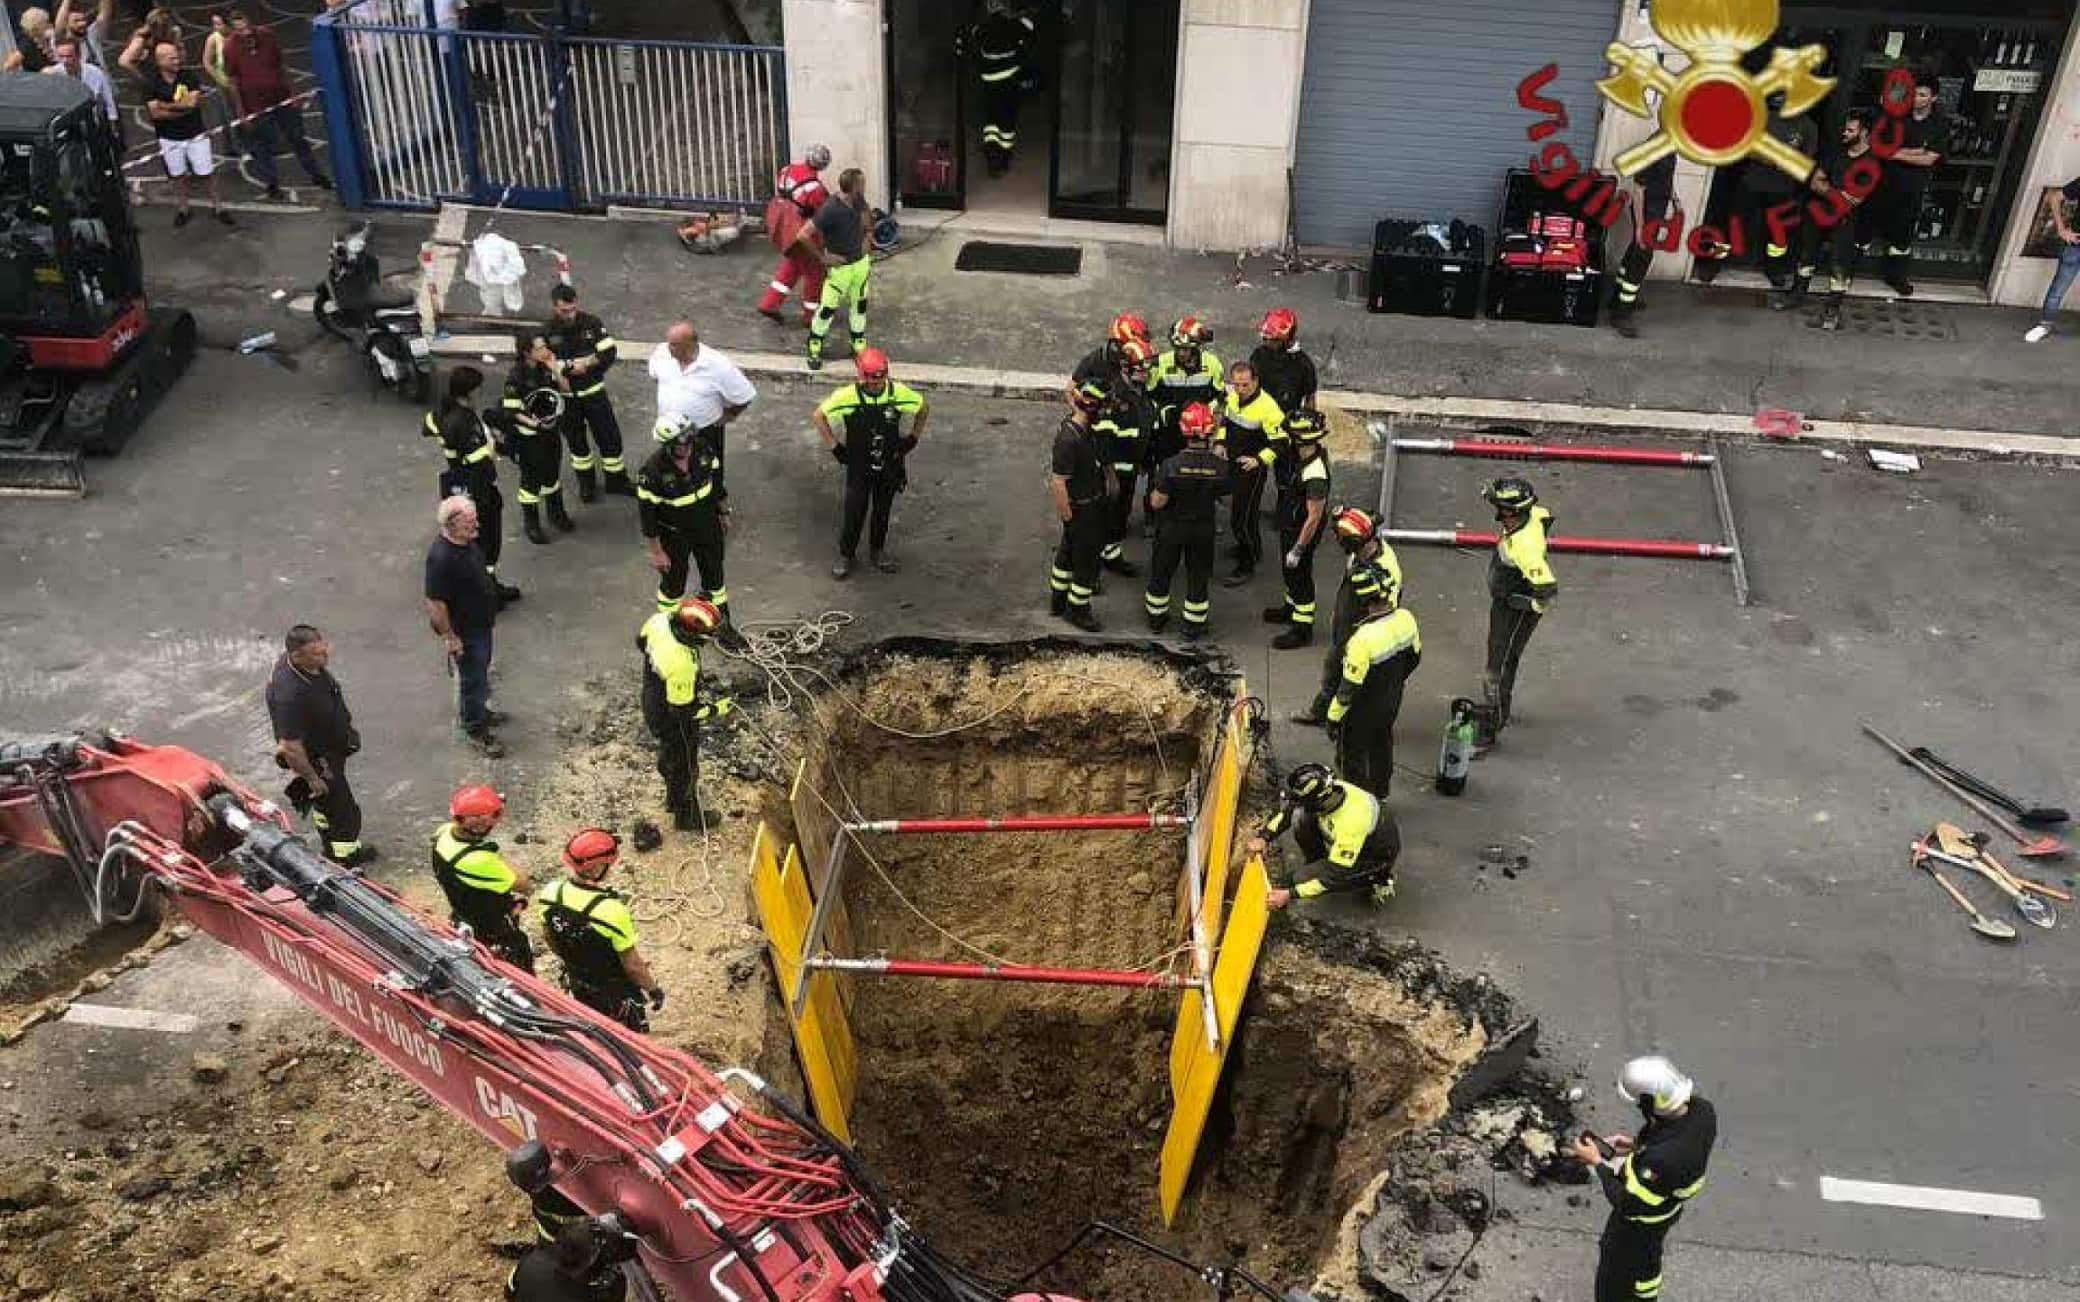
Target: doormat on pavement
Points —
{"points": [[1894, 318], [1020, 259]]}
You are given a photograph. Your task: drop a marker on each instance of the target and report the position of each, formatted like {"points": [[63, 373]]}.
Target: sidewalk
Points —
{"points": [[1716, 351]]}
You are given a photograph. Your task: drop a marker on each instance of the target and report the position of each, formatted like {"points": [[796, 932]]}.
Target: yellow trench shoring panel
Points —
{"points": [[1223, 797], [1195, 1069], [822, 1038]]}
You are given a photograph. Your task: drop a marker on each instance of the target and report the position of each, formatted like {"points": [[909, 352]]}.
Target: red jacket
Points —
{"points": [[799, 182], [253, 61]]}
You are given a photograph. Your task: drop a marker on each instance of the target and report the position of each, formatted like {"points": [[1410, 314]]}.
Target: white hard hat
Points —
{"points": [[672, 425], [1655, 1078]]}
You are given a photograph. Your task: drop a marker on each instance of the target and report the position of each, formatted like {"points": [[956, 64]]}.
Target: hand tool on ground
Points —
{"points": [[2033, 847], [2033, 910], [1980, 787], [1982, 924], [1972, 845]]}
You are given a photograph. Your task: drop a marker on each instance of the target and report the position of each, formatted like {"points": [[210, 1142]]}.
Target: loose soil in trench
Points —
{"points": [[1002, 1118]]}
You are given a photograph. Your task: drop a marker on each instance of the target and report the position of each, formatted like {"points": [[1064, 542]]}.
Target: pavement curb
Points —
{"points": [[1447, 413]]}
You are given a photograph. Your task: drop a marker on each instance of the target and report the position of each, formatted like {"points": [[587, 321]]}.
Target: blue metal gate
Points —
{"points": [[418, 114]]}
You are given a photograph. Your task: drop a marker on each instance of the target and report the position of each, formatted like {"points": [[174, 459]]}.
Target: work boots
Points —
{"points": [[559, 514], [1084, 618], [1625, 320], [618, 485], [507, 593], [689, 820], [588, 486], [1831, 313], [1296, 635], [1157, 623], [531, 523], [1279, 614], [1122, 566], [1792, 297], [1194, 630], [1058, 603]]}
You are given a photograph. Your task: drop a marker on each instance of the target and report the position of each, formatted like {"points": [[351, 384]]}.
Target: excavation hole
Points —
{"points": [[1003, 1118], [49, 943]]}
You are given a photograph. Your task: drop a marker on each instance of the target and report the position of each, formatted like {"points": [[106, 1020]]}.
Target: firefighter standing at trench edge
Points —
{"points": [[1520, 585], [1650, 1179]]}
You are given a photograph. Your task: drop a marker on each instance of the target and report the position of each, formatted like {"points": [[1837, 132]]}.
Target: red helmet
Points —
{"points": [[1190, 332], [1136, 355], [1355, 528], [1279, 325], [872, 364], [591, 850], [698, 616], [1128, 325], [476, 802], [1196, 421]]}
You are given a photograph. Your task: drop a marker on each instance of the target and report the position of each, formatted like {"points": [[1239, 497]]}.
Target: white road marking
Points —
{"points": [[132, 1019], [1924, 1198]]}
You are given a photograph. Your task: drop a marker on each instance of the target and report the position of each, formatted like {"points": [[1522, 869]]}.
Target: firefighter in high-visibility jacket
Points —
{"points": [[1650, 1179], [484, 891], [1253, 431], [1001, 47], [533, 408], [471, 453], [670, 644], [593, 934], [682, 508], [1181, 497], [1384, 648], [1369, 567], [1520, 586], [1124, 429], [1302, 514], [1187, 373], [584, 352], [1349, 836]]}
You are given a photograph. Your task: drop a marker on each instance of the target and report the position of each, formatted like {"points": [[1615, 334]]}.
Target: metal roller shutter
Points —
{"points": [[1409, 107]]}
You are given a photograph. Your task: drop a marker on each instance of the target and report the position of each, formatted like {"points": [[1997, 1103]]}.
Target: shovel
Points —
{"points": [[2033, 910], [2033, 847], [1972, 845], [1982, 924], [2036, 815]]}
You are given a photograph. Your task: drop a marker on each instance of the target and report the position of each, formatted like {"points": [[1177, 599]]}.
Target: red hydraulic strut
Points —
{"points": [[1508, 451], [1060, 976], [1667, 548], [1036, 823]]}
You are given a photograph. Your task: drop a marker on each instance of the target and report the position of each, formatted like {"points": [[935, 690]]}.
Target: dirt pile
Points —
{"points": [[291, 1172]]}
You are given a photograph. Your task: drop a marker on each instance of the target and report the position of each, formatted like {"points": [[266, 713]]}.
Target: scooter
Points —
{"points": [[351, 304]]}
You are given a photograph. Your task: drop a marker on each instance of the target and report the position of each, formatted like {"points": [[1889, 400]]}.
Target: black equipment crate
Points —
{"points": [[1419, 278], [1552, 297]]}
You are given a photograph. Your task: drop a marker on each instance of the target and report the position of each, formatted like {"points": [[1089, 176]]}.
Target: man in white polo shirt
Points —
{"points": [[699, 384]]}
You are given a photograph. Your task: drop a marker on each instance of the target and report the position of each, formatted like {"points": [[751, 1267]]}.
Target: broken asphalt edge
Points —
{"points": [[1463, 414]]}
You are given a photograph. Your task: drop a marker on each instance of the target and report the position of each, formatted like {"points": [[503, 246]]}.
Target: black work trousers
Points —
{"points": [[540, 455], [336, 814], [1628, 1265], [1365, 745], [1075, 571], [620, 1000], [1193, 549], [1119, 508], [701, 547], [1245, 506], [1299, 579], [1509, 629], [590, 421], [678, 736], [711, 438], [1000, 119], [503, 936], [867, 492]]}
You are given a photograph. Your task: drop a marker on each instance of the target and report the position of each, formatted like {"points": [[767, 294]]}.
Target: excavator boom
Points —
{"points": [[728, 1201]]}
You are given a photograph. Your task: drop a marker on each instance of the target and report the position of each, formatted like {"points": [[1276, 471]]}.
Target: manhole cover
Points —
{"points": [[1893, 318], [1020, 259]]}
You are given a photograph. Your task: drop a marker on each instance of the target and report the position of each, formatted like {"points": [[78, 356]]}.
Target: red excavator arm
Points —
{"points": [[728, 1203]]}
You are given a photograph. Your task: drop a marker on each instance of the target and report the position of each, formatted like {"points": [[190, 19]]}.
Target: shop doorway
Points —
{"points": [[1992, 78], [1093, 119]]}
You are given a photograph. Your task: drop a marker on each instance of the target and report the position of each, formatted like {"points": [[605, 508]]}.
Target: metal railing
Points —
{"points": [[418, 114]]}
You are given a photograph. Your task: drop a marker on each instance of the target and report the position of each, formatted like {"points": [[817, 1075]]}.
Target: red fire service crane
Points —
{"points": [[719, 1201]]}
